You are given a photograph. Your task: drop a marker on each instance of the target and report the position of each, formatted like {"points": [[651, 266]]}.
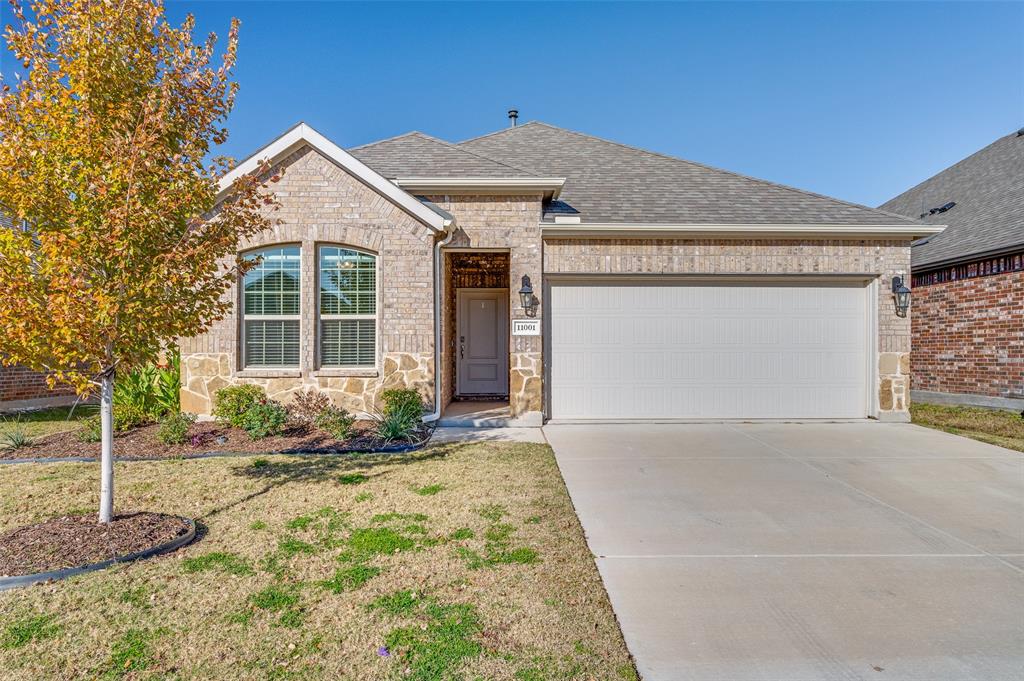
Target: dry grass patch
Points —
{"points": [[994, 426], [333, 567]]}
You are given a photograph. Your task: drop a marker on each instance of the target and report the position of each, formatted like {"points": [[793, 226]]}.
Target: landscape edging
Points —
{"points": [[18, 581]]}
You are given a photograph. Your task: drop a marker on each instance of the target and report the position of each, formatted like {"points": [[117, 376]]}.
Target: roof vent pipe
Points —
{"points": [[513, 116]]}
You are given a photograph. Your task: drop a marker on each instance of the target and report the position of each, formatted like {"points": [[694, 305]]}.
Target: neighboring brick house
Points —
{"points": [[560, 276], [21, 388], [968, 281]]}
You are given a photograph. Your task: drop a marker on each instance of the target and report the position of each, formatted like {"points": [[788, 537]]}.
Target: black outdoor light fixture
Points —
{"points": [[901, 296], [527, 298]]}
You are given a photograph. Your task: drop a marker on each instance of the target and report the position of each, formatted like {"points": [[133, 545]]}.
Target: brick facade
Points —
{"points": [[969, 336], [323, 204], [22, 387], [777, 256]]}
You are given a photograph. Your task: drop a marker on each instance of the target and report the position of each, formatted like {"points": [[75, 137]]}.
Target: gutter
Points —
{"points": [[733, 231], [550, 187], [449, 227]]}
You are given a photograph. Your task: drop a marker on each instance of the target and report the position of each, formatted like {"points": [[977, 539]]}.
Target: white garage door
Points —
{"points": [[671, 350]]}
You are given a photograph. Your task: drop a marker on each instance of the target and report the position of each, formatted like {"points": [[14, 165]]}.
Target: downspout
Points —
{"points": [[449, 227]]}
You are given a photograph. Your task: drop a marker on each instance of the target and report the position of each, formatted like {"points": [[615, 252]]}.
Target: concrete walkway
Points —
{"points": [[804, 551]]}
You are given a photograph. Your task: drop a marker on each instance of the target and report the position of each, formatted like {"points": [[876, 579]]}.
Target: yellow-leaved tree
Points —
{"points": [[105, 134]]}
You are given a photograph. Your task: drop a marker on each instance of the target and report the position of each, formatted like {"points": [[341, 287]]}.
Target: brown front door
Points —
{"points": [[482, 344]]}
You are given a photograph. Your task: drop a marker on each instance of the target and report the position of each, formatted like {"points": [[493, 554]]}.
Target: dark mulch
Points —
{"points": [[204, 436], [77, 540]]}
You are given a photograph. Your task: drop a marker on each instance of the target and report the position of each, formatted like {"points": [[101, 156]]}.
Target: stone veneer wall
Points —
{"points": [[509, 223], [322, 204], [764, 256]]}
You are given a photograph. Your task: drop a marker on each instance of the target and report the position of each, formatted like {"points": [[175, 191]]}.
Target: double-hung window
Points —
{"points": [[348, 308], [270, 308]]}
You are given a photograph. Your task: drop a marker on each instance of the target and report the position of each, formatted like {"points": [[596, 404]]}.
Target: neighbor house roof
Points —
{"points": [[988, 190], [608, 182]]}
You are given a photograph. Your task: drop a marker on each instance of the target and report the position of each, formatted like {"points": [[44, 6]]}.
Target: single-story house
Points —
{"points": [[564, 277], [968, 321]]}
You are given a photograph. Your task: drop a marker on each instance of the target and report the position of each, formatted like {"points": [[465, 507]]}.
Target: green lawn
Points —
{"points": [[994, 426], [46, 421], [462, 561]]}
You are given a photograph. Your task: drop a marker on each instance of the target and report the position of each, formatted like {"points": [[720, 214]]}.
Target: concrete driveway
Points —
{"points": [[804, 551]]}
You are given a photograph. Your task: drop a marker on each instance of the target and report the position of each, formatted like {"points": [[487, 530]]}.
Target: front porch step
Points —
{"points": [[489, 414]]}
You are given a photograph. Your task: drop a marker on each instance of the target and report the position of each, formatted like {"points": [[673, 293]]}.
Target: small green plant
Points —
{"points": [[352, 478], [364, 496], [129, 416], [440, 643], [290, 546], [350, 578], [91, 430], [260, 463], [230, 404], [15, 437], [308, 405], [402, 399], [428, 490], [257, 525], [174, 427], [398, 603], [462, 533], [23, 631], [336, 422], [283, 598], [299, 523], [264, 419], [492, 512], [220, 561], [135, 597], [378, 541]]}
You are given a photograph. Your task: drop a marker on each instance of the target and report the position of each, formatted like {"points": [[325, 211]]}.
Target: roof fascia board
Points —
{"points": [[303, 134], [551, 187], [643, 231], [967, 258]]}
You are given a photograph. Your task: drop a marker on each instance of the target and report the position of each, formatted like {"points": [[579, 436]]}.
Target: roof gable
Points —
{"points": [[609, 182], [304, 135], [988, 189]]}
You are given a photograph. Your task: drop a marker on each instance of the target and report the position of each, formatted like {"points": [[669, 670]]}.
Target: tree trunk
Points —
{"points": [[107, 448]]}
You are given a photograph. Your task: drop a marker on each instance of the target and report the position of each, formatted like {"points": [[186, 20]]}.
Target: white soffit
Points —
{"points": [[627, 230]]}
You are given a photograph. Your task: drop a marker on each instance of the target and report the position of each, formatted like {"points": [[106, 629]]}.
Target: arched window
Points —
{"points": [[348, 308], [270, 308]]}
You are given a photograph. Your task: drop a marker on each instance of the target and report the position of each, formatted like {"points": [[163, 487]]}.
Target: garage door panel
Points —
{"points": [[624, 351]]}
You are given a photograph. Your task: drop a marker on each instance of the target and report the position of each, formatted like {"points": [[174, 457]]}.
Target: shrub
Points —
{"points": [[308, 405], [264, 419], [91, 430], [167, 384], [230, 404], [174, 428], [336, 421], [397, 424], [402, 400], [128, 416], [152, 390]]}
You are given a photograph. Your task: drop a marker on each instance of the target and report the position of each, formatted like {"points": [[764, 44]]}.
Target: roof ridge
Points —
{"points": [[505, 130], [446, 144], [459, 149], [954, 165], [770, 183]]}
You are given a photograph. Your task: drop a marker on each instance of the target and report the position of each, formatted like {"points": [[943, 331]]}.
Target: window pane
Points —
{"points": [[272, 343], [272, 287], [348, 282], [348, 342]]}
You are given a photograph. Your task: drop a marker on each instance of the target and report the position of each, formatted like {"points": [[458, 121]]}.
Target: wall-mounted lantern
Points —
{"points": [[901, 296], [527, 298]]}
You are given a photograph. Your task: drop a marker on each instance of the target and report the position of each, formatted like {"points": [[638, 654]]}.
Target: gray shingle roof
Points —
{"points": [[614, 183], [417, 155], [988, 188]]}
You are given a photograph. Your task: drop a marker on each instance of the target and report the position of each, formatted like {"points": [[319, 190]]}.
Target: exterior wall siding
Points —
{"points": [[969, 336], [322, 204], [762, 256]]}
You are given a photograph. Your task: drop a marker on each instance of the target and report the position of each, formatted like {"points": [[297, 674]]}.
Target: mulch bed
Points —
{"points": [[204, 437], [77, 540]]}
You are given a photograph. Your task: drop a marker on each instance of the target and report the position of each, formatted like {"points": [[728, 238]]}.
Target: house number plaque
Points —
{"points": [[525, 327]]}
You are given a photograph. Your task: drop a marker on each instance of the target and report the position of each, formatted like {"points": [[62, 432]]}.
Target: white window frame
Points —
{"points": [[243, 317], [321, 317]]}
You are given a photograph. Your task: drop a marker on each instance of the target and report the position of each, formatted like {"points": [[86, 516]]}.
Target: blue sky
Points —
{"points": [[858, 100]]}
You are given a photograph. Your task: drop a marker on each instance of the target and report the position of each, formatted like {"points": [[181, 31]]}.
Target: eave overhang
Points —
{"points": [[733, 231], [550, 187]]}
